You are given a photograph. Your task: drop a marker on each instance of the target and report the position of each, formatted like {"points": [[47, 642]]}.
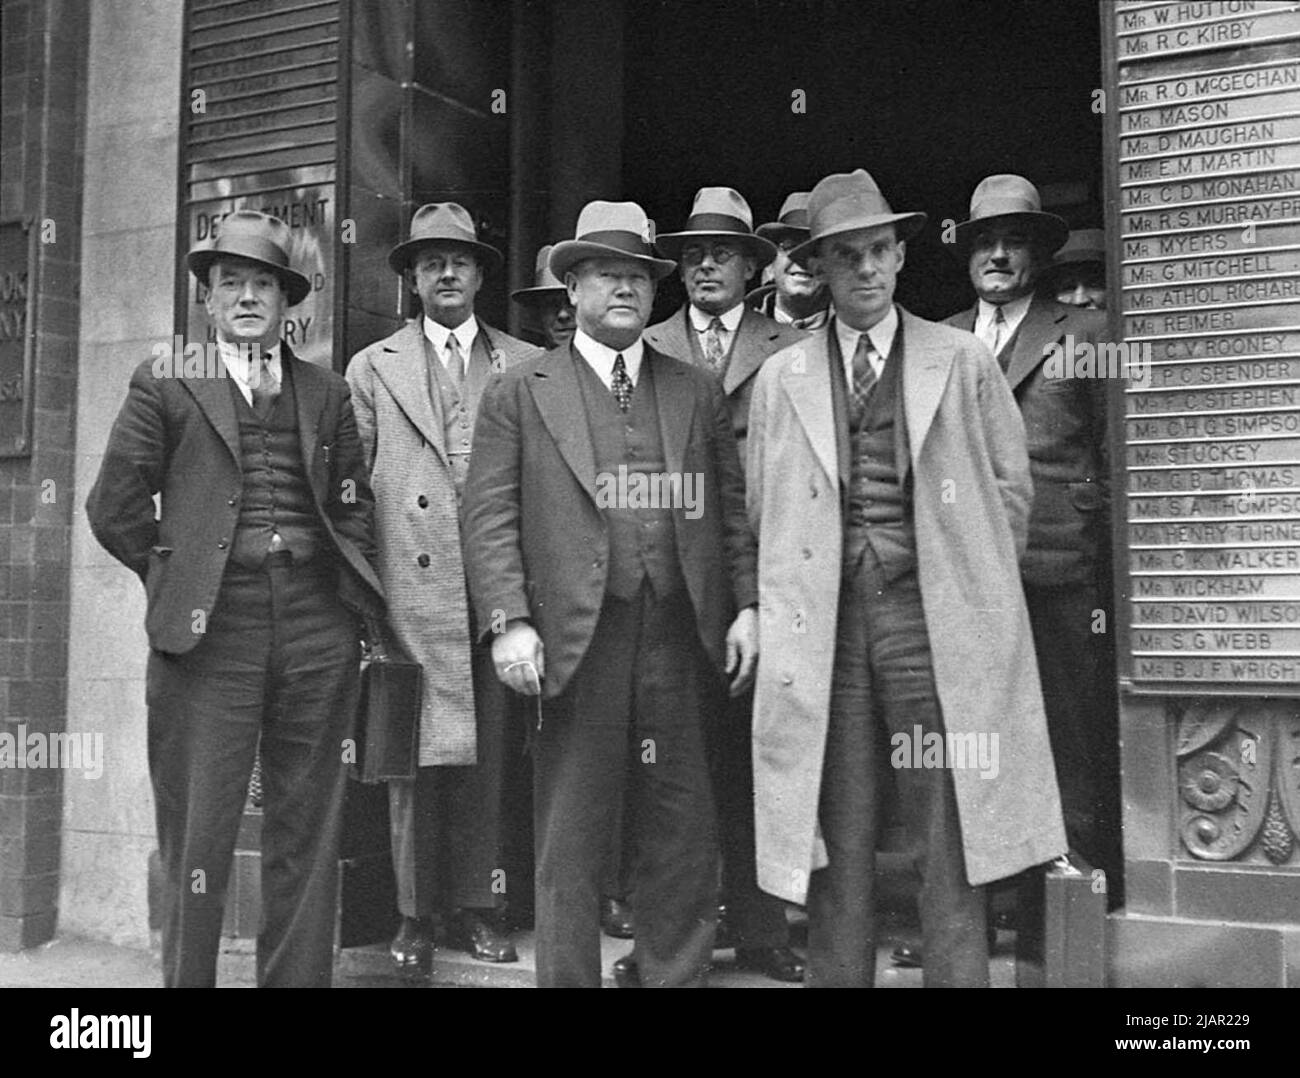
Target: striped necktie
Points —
{"points": [[265, 387], [864, 379]]}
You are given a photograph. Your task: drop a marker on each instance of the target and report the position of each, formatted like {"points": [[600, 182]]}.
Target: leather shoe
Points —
{"points": [[480, 933], [616, 918], [909, 956], [779, 963], [412, 947], [626, 972]]}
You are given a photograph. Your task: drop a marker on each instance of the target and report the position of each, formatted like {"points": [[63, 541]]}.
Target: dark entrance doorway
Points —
{"points": [[928, 96]]}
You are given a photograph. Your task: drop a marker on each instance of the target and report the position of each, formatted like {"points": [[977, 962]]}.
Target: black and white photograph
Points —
{"points": [[651, 494]]}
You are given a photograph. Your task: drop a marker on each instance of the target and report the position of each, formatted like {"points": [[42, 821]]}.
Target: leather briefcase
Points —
{"points": [[388, 716]]}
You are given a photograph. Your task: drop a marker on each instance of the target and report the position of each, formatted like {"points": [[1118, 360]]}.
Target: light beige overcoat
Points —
{"points": [[971, 497]]}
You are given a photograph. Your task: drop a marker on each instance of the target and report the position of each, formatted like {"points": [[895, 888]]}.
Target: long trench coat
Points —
{"points": [[971, 500], [417, 527]]}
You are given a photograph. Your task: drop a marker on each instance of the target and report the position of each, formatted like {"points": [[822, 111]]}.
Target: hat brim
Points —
{"points": [[758, 248], [296, 286], [775, 231], [399, 258], [1071, 258], [529, 295], [906, 225], [568, 253], [1052, 230]]}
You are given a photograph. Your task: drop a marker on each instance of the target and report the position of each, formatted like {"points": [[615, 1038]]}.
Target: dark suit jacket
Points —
{"points": [[1065, 426], [757, 337], [536, 544], [179, 436]]}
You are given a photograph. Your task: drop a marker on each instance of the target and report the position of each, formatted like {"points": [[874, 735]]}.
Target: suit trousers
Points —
{"points": [[452, 827], [1077, 667], [754, 918], [628, 729], [883, 674], [278, 664]]}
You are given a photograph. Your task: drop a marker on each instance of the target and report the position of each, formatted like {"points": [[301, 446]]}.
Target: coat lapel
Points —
{"points": [[555, 389], [1040, 327], [925, 374], [402, 368], [309, 397], [807, 383], [751, 347], [214, 400], [675, 399], [672, 338]]}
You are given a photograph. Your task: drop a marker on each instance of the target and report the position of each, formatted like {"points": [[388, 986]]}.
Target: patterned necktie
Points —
{"points": [[455, 362], [714, 354], [864, 379], [265, 387], [999, 330], [621, 384]]}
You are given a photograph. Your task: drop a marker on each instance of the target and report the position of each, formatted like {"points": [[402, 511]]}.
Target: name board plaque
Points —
{"points": [[1206, 190]]}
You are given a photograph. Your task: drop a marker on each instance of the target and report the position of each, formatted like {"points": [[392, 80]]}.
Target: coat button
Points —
{"points": [[221, 544], [230, 501], [787, 680], [806, 553], [422, 561], [422, 502]]}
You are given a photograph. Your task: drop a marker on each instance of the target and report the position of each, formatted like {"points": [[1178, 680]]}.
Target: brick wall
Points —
{"points": [[41, 148]]}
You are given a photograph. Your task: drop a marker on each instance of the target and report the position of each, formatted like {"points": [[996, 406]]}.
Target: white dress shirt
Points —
{"points": [[600, 357], [439, 334], [881, 336], [1013, 313], [239, 360], [701, 320]]}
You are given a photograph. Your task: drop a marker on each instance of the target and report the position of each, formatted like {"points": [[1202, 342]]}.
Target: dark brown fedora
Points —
{"points": [[791, 223], [1014, 200], [846, 202], [545, 283], [254, 237]]}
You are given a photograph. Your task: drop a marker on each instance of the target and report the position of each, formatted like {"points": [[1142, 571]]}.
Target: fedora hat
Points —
{"points": [[1082, 245], [720, 213], [610, 230], [791, 223], [442, 222], [1014, 200], [254, 237], [545, 282], [846, 202]]}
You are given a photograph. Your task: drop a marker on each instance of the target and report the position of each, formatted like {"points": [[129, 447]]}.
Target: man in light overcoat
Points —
{"points": [[416, 396], [889, 491]]}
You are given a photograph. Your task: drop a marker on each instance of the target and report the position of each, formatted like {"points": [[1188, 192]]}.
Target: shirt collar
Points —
{"points": [[438, 334], [1013, 312], [701, 320], [238, 359], [881, 336], [600, 357]]}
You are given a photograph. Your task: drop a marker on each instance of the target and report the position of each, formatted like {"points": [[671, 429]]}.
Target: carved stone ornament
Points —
{"points": [[1239, 779]]}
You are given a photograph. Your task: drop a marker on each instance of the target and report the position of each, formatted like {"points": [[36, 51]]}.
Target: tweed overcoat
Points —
{"points": [[971, 499], [402, 433]]}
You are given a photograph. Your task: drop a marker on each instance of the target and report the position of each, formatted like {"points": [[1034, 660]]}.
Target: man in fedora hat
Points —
{"points": [[548, 302], [718, 253], [1077, 276], [1007, 243], [888, 490], [255, 567], [621, 610], [416, 395], [793, 297]]}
